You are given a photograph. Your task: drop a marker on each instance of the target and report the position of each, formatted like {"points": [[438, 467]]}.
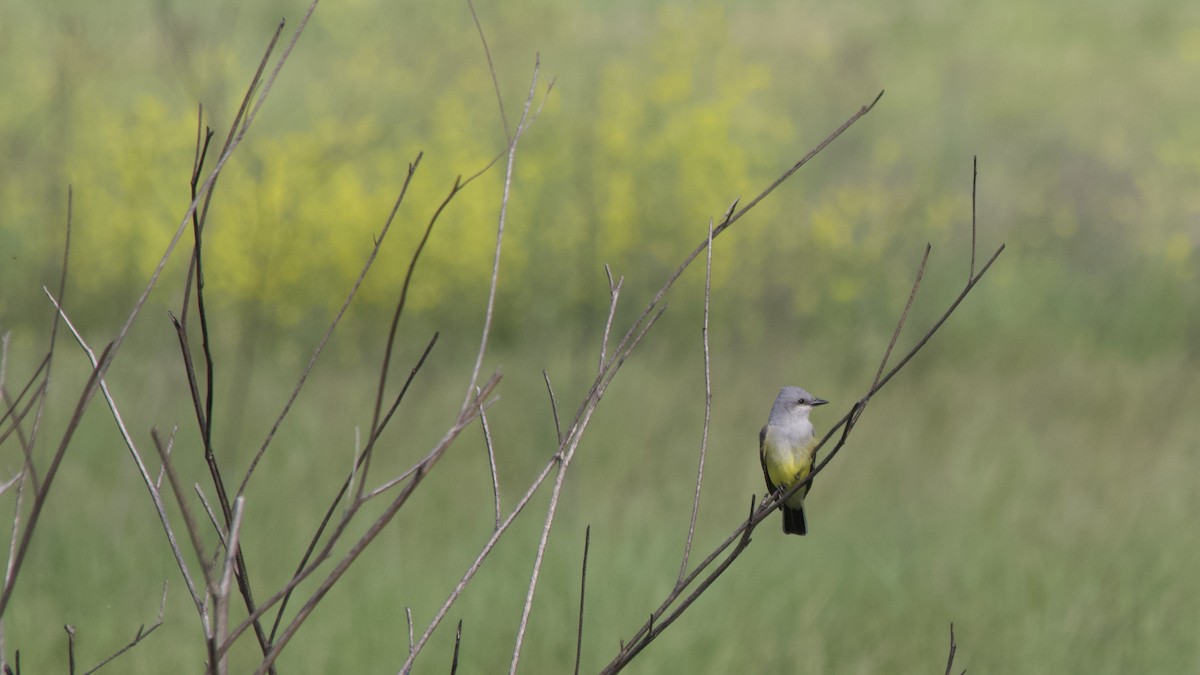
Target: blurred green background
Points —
{"points": [[1030, 477]]}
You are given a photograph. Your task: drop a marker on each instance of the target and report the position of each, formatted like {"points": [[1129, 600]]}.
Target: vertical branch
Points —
{"points": [[553, 407], [974, 184], [457, 643], [587, 542], [491, 70], [491, 455], [953, 648], [232, 547], [614, 292], [70, 648], [389, 345], [537, 562], [912, 296], [687, 547], [508, 177]]}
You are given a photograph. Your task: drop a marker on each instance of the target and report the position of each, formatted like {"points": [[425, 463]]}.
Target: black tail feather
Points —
{"points": [[794, 521]]}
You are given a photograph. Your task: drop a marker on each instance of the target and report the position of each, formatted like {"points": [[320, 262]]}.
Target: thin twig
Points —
{"points": [[974, 184], [912, 296], [587, 543], [509, 170], [537, 562], [953, 648], [408, 616], [212, 515], [491, 70], [227, 574], [457, 644], [389, 345], [553, 407], [614, 292], [70, 648], [687, 547], [491, 455]]}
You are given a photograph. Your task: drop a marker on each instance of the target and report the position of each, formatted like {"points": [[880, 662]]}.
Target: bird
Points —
{"points": [[787, 448]]}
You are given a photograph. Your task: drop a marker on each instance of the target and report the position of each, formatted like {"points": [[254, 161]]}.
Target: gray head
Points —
{"points": [[792, 401]]}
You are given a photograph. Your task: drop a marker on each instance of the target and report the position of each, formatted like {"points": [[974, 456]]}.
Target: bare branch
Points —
{"points": [[491, 70], [70, 648], [389, 346], [587, 543], [912, 295], [408, 616], [508, 176], [974, 184], [687, 548], [491, 455], [614, 293], [457, 643], [231, 556], [537, 562], [553, 407], [953, 648]]}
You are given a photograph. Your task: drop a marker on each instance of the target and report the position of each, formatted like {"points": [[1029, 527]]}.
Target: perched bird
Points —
{"points": [[786, 447]]}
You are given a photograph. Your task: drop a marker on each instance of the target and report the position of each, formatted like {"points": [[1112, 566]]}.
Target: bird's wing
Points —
{"points": [[762, 459]]}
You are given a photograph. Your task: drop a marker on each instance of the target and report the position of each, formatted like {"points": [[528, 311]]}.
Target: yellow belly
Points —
{"points": [[787, 467]]}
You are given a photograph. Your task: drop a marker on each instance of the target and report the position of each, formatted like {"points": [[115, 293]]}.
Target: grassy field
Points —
{"points": [[1028, 478], [1054, 542]]}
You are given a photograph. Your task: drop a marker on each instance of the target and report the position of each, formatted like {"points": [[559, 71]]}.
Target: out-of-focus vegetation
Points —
{"points": [[1030, 478], [660, 117]]}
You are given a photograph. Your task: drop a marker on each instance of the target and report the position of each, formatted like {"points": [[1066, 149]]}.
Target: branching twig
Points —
{"points": [[953, 649], [648, 631]]}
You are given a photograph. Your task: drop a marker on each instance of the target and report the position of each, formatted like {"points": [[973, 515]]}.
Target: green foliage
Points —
{"points": [[658, 121]]}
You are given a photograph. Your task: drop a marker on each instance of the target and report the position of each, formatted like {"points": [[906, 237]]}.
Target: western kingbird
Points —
{"points": [[786, 447]]}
